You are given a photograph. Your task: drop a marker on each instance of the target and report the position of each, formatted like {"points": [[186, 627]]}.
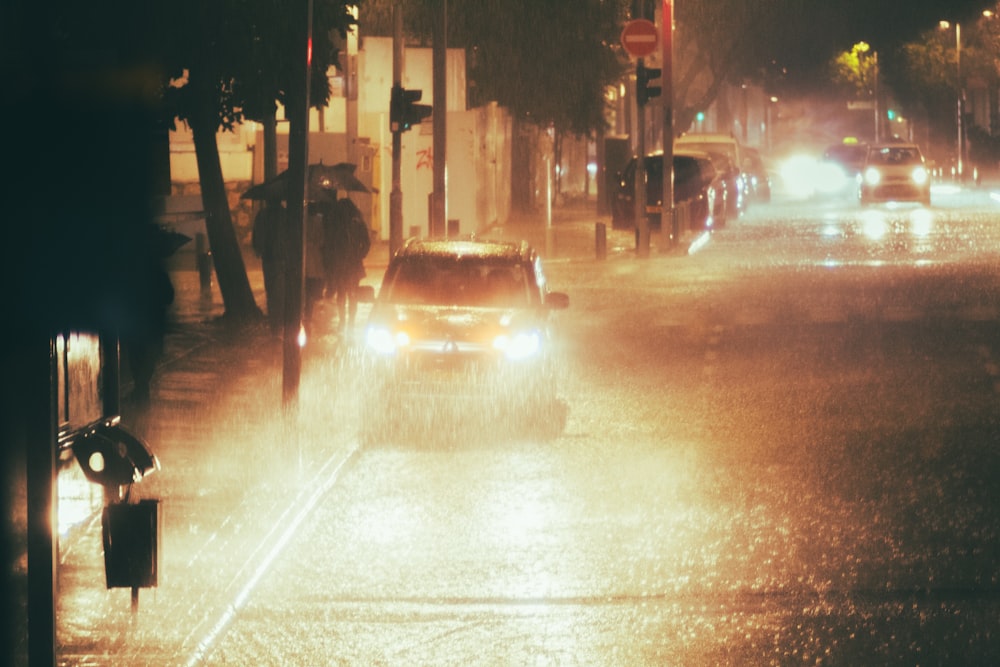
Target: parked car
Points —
{"points": [[729, 146], [461, 329], [758, 180], [839, 168], [894, 172], [697, 185], [734, 184]]}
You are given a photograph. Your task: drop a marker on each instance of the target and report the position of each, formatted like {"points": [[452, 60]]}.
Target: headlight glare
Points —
{"points": [[521, 345], [872, 176], [382, 340], [919, 175]]}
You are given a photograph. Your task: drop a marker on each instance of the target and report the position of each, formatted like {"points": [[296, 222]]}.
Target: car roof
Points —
{"points": [[487, 249], [686, 151], [714, 137]]}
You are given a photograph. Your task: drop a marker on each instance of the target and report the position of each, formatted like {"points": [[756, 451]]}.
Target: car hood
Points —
{"points": [[458, 323]]}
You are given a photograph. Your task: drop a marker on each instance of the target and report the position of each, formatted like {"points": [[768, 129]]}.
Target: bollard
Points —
{"points": [[203, 259], [601, 240]]}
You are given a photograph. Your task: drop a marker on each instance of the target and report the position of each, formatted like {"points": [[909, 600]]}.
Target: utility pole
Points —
{"points": [[294, 246], [670, 231], [439, 203], [351, 90], [396, 195], [641, 221]]}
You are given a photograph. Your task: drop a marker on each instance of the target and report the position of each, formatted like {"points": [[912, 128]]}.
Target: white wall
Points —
{"points": [[478, 144]]}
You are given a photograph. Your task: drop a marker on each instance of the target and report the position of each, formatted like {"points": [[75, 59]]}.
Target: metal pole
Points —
{"points": [[39, 383], [641, 221], [396, 195], [670, 230], [961, 94], [875, 105], [298, 159], [439, 212]]}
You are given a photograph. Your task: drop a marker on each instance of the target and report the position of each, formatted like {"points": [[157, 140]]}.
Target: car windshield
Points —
{"points": [[894, 155], [458, 281], [711, 147]]}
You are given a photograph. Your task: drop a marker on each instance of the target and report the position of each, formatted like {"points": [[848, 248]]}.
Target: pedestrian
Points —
{"points": [[148, 295], [267, 244], [347, 241]]}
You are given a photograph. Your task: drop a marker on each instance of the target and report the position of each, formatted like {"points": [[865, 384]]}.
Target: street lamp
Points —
{"points": [[961, 93]]}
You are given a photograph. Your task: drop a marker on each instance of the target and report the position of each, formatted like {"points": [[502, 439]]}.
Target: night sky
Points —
{"points": [[823, 28]]}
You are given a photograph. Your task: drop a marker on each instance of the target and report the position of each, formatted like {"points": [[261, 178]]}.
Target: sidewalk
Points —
{"points": [[232, 462]]}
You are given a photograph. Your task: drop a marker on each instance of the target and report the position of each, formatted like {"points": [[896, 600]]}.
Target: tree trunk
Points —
{"points": [[237, 297]]}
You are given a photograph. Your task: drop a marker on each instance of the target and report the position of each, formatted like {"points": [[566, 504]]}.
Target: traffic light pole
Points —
{"points": [[641, 221], [439, 198], [668, 219], [294, 241], [396, 195]]}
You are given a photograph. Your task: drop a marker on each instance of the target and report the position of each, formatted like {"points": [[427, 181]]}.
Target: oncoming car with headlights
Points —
{"points": [[461, 329], [896, 173]]}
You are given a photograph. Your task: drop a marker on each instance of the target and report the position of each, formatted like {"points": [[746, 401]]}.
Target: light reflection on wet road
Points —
{"points": [[780, 450]]}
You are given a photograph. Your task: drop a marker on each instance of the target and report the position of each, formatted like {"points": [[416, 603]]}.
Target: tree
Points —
{"points": [[854, 71], [548, 61], [927, 79], [234, 61], [726, 41]]}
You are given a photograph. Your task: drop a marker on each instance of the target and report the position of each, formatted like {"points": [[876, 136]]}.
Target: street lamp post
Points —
{"points": [[961, 95]]}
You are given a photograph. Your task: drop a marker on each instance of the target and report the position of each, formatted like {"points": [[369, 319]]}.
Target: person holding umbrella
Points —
{"points": [[346, 242]]}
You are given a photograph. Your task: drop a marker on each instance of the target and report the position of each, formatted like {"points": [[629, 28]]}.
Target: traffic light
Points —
{"points": [[891, 113], [644, 91], [111, 456], [404, 113]]}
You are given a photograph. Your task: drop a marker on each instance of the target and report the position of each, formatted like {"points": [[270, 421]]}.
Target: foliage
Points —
{"points": [[548, 61], [722, 42], [246, 53], [233, 60], [929, 73], [855, 70]]}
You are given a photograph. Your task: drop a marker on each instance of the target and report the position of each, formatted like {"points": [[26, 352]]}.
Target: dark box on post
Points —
{"points": [[131, 544]]}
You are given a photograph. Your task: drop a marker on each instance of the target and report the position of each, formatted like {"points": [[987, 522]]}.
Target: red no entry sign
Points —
{"points": [[640, 38]]}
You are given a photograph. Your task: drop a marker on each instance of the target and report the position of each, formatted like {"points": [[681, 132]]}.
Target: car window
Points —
{"points": [[462, 281], [727, 148], [894, 155], [685, 169]]}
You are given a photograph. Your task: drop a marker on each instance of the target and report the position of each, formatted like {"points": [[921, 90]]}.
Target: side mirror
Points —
{"points": [[365, 294], [111, 456]]}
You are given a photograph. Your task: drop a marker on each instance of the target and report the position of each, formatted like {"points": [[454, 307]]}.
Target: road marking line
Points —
{"points": [[291, 526]]}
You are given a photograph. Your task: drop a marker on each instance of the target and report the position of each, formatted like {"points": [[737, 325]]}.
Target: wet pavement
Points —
{"points": [[216, 395], [216, 390]]}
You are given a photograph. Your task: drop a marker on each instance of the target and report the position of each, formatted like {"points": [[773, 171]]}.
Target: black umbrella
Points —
{"points": [[341, 177], [323, 182]]}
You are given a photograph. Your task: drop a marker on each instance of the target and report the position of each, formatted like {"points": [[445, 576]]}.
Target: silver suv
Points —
{"points": [[461, 331]]}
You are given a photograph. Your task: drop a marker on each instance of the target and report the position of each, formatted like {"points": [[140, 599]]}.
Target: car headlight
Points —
{"points": [[872, 176], [919, 176], [385, 341], [520, 345]]}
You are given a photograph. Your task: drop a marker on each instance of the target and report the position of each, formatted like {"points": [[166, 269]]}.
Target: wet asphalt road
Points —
{"points": [[780, 450]]}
